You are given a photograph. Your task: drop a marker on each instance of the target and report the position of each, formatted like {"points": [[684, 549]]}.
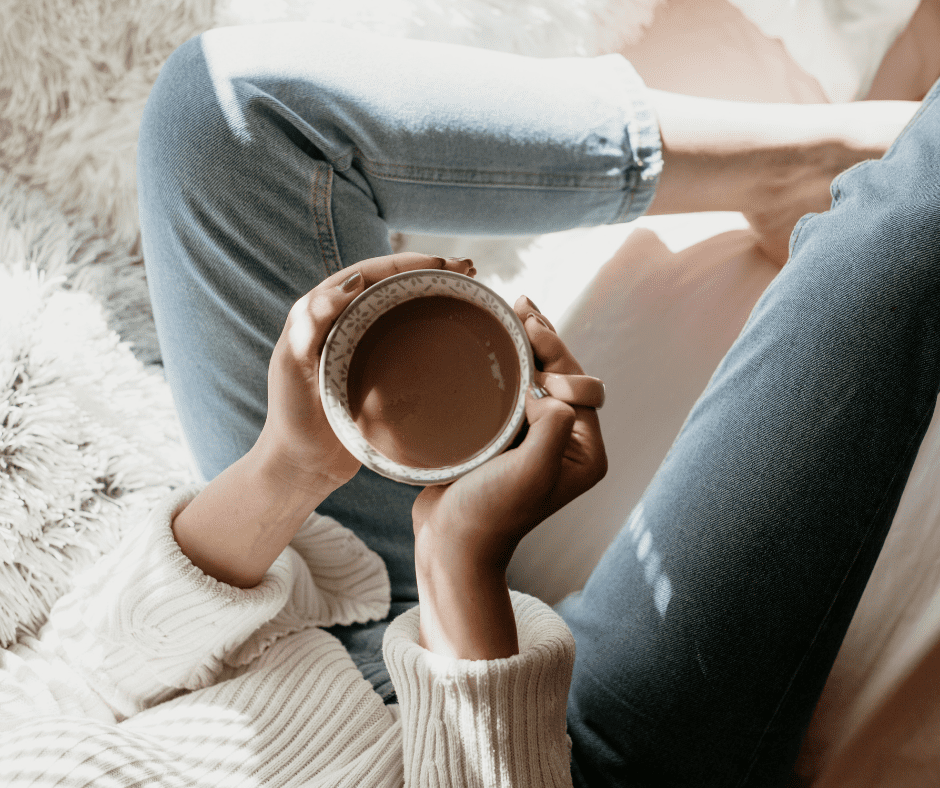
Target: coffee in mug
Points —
{"points": [[433, 381], [423, 377]]}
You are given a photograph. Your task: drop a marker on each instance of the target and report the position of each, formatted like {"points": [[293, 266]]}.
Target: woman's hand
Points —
{"points": [[296, 431], [486, 513], [243, 519], [466, 532]]}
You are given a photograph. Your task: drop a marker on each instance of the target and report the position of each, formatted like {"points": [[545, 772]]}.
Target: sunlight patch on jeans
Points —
{"points": [[651, 561], [222, 81]]}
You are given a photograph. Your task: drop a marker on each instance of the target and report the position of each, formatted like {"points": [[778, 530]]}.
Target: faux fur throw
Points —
{"points": [[88, 435]]}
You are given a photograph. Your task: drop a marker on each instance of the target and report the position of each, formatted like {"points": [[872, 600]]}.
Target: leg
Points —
{"points": [[911, 65], [706, 632], [771, 162], [272, 156]]}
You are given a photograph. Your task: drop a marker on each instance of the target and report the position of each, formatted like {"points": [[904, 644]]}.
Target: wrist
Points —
{"points": [[480, 545], [236, 527], [465, 608], [300, 477]]}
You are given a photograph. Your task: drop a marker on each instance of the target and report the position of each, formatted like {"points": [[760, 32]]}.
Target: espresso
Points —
{"points": [[433, 381]]}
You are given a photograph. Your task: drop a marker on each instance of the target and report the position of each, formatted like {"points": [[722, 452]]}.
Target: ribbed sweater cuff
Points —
{"points": [[146, 623], [487, 723]]}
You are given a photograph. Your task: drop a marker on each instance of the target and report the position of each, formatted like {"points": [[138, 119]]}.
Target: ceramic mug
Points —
{"points": [[423, 377]]}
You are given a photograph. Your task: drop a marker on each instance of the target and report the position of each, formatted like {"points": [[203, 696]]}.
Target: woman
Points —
{"points": [[273, 163]]}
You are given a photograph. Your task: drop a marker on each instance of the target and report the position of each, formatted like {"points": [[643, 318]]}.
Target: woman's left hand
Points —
{"points": [[484, 515]]}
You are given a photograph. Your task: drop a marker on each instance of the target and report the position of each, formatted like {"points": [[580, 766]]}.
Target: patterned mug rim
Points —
{"points": [[361, 313]]}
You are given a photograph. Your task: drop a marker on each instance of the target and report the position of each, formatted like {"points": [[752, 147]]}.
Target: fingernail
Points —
{"points": [[460, 260], [351, 282], [532, 304], [539, 319]]}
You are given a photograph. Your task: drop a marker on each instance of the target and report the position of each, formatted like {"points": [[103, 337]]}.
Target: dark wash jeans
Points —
{"points": [[272, 156]]}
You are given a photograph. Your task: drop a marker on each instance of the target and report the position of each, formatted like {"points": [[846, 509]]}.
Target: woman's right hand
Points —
{"points": [[296, 433], [238, 525], [466, 532], [486, 513]]}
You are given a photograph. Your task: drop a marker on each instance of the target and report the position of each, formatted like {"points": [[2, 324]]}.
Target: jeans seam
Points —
{"points": [[639, 197], [797, 232], [320, 205], [469, 176], [913, 444], [835, 187]]}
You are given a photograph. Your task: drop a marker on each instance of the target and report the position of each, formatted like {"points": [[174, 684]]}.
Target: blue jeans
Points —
{"points": [[272, 156]]}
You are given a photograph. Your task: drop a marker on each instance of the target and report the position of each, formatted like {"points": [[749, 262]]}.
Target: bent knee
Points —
{"points": [[180, 118], [883, 228], [225, 104]]}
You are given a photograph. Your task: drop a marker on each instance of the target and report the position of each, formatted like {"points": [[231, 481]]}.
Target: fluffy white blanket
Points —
{"points": [[88, 435]]}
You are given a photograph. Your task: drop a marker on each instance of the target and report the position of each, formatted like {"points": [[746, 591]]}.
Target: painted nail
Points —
{"points": [[532, 304], [539, 319], [351, 282]]}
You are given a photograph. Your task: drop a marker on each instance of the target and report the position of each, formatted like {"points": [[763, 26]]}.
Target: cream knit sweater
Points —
{"points": [[151, 673]]}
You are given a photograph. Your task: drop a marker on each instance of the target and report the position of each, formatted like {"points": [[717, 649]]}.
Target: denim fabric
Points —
{"points": [[273, 156], [706, 633]]}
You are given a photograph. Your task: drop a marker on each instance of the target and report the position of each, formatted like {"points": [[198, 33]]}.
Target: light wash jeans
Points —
{"points": [[272, 156]]}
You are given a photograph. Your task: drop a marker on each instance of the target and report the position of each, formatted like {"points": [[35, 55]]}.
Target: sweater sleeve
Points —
{"points": [[146, 624], [486, 722]]}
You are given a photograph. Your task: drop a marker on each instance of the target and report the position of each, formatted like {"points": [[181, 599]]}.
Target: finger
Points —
{"points": [[542, 451], [462, 265], [524, 307], [583, 390], [375, 269], [312, 317], [584, 453], [548, 348]]}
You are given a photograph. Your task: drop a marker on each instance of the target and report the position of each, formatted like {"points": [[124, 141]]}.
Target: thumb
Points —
{"points": [[312, 317]]}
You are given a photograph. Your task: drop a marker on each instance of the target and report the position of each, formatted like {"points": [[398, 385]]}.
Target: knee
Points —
{"points": [[202, 121], [180, 117], [889, 208], [881, 237], [224, 107]]}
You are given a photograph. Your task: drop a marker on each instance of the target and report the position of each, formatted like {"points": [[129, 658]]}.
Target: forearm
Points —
{"points": [[465, 607], [244, 518]]}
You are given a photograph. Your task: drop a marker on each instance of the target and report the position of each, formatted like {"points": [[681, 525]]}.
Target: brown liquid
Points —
{"points": [[433, 381]]}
